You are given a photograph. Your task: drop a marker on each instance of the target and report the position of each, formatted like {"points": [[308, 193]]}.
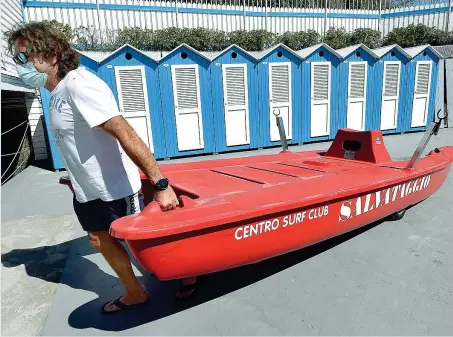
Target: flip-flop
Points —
{"points": [[184, 288], [188, 287], [120, 305]]}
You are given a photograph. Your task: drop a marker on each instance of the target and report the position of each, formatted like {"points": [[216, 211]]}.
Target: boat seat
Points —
{"points": [[365, 146]]}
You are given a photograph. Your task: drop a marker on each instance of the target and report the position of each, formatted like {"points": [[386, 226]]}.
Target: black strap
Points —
{"points": [[118, 303]]}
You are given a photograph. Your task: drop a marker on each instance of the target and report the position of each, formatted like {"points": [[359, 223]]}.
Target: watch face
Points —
{"points": [[162, 184]]}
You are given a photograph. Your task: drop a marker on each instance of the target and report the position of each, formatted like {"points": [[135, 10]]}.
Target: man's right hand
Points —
{"points": [[167, 199]]}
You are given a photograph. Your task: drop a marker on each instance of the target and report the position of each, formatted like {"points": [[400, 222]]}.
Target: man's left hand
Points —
{"points": [[167, 199]]}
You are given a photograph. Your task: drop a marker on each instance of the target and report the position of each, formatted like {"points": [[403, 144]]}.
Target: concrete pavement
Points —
{"points": [[388, 278], [37, 230]]}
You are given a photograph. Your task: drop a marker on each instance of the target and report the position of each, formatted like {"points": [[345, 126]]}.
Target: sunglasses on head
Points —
{"points": [[20, 58]]}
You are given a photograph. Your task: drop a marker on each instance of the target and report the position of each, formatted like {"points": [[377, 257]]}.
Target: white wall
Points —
{"points": [[36, 122], [11, 15]]}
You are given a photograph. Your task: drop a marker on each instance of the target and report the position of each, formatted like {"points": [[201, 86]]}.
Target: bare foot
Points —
{"points": [[124, 302], [187, 288]]}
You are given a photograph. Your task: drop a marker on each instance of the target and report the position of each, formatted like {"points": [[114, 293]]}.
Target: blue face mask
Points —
{"points": [[28, 73]]}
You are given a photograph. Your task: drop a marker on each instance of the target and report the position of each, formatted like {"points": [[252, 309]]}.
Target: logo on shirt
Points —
{"points": [[57, 103]]}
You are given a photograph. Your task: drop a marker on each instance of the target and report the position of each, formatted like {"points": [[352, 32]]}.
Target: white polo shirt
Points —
{"points": [[96, 164]]}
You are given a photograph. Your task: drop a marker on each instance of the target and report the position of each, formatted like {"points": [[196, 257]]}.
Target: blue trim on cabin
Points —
{"points": [[218, 99], [57, 159], [379, 71], [89, 64], [107, 73], [306, 94], [168, 106], [264, 104], [36, 3], [412, 67], [344, 85]]}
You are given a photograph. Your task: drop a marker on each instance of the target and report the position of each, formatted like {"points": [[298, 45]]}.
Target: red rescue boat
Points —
{"points": [[240, 211]]}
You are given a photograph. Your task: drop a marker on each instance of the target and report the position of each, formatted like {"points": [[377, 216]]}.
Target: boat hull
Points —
{"points": [[250, 241]]}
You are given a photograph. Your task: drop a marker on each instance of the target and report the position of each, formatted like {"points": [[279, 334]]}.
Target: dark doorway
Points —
{"points": [[16, 148]]}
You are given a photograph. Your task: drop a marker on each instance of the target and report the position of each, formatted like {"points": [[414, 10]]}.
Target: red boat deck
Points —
{"points": [[224, 191]]}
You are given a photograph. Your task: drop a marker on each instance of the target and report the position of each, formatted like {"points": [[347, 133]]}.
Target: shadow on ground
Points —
{"points": [[86, 275]]}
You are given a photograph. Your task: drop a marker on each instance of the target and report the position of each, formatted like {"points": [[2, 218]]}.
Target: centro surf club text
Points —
{"points": [[348, 209], [364, 204], [274, 224]]}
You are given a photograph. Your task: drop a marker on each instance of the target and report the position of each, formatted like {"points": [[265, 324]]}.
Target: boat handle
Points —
{"points": [[184, 201]]}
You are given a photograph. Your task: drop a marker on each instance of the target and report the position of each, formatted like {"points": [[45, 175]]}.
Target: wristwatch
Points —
{"points": [[161, 184]]}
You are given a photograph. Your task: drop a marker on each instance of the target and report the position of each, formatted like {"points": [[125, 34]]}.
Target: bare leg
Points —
{"points": [[118, 258]]}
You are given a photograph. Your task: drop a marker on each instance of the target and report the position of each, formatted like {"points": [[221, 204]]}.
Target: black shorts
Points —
{"points": [[98, 215]]}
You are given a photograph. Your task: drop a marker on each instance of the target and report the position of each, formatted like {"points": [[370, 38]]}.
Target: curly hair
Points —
{"points": [[44, 40]]}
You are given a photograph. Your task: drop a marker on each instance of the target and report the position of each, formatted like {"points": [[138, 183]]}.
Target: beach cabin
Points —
{"points": [[421, 84], [234, 83], [390, 89], [319, 92], [356, 83], [90, 60], [279, 78], [132, 77], [185, 85]]}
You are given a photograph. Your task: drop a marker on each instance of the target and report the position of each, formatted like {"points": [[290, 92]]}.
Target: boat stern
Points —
{"points": [[446, 151]]}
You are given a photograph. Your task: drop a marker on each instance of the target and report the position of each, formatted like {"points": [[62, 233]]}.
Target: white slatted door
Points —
{"points": [[357, 82], [390, 95], [421, 93], [235, 98], [320, 99], [186, 95], [133, 100], [280, 98]]}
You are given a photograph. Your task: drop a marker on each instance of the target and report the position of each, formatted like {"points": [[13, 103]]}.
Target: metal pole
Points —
{"points": [[421, 146], [433, 129], [281, 130]]}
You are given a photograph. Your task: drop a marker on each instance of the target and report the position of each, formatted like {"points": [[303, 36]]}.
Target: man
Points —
{"points": [[100, 150]]}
